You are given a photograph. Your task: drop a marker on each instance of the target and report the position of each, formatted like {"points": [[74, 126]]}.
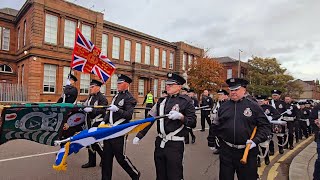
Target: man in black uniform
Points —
{"points": [[291, 115], [272, 114], [236, 121], [279, 105], [222, 98], [94, 117], [315, 122], [206, 100], [70, 93], [304, 120], [169, 145], [120, 111], [196, 104]]}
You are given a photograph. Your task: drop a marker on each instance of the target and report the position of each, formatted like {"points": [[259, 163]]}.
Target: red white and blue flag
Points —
{"points": [[87, 58]]}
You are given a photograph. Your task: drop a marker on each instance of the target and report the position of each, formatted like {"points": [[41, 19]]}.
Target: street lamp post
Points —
{"points": [[239, 68]]}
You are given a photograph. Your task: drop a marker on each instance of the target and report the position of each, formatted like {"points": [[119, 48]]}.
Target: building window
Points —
{"points": [[18, 42], [113, 89], [156, 57], [49, 78], [147, 55], [51, 29], [229, 73], [163, 85], [69, 33], [5, 68], [66, 71], [103, 89], [22, 74], [141, 87], [86, 31], [190, 58], [24, 32], [171, 61], [5, 40], [164, 59], [84, 84], [184, 60], [116, 48], [138, 53], [155, 88], [104, 46], [127, 50]]}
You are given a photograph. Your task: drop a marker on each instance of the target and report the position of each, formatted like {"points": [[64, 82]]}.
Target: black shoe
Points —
{"points": [[88, 165], [258, 163], [186, 142], [297, 140], [285, 146], [193, 139], [291, 147], [267, 161], [202, 130], [281, 151], [100, 164], [271, 153]]}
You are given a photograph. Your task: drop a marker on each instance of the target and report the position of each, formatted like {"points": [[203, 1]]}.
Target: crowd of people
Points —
{"points": [[236, 119]]}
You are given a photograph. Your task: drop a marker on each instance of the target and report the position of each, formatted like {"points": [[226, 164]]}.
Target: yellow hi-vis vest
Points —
{"points": [[149, 99]]}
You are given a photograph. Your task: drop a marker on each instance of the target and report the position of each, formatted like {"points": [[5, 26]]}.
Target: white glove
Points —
{"points": [[289, 112], [113, 108], [87, 109], [212, 148], [175, 115], [102, 123], [252, 143], [269, 118], [135, 140], [68, 82]]}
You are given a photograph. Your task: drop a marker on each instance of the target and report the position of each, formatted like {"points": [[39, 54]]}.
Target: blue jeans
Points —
{"points": [[316, 172]]}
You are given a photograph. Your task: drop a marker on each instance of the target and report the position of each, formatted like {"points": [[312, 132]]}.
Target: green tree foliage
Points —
{"points": [[266, 74], [205, 73]]}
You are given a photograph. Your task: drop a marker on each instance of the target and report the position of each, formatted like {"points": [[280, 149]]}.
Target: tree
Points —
{"points": [[266, 74], [205, 73]]}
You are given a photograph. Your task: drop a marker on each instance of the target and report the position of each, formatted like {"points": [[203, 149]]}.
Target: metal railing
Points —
{"points": [[12, 92]]}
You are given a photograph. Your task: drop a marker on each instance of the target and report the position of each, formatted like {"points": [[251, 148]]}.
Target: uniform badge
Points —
{"points": [[176, 108], [304, 112], [119, 75], [208, 100], [247, 112], [232, 80], [121, 102], [280, 106], [169, 75], [267, 111]]}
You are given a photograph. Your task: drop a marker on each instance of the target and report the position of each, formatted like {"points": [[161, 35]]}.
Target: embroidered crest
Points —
{"points": [[267, 111], [208, 100], [232, 80], [247, 112], [121, 102], [176, 108], [280, 106]]}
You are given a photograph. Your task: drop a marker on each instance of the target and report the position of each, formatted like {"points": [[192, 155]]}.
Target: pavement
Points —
{"points": [[302, 165]]}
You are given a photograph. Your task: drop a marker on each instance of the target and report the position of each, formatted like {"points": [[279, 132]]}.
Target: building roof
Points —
{"points": [[9, 11], [225, 59]]}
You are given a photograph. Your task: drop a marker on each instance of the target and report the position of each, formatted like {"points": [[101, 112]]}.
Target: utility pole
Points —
{"points": [[239, 68]]}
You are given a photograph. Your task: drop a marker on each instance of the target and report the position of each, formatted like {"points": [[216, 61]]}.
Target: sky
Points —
{"points": [[284, 29]]}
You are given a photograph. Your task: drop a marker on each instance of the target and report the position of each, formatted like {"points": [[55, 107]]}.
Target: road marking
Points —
{"points": [[199, 129], [273, 171], [29, 156], [263, 166]]}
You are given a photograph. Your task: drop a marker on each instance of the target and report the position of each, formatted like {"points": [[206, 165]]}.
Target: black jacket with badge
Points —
{"points": [[279, 105], [237, 120], [207, 101], [294, 111], [126, 103], [71, 94], [271, 111], [304, 113], [97, 99], [181, 103]]}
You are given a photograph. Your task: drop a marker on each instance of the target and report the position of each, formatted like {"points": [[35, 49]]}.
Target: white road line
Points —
{"points": [[29, 156], [199, 129]]}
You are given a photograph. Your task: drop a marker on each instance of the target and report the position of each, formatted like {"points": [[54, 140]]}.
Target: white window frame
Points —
{"points": [[113, 86], [49, 78], [116, 47], [184, 59], [86, 31], [127, 50], [171, 60], [5, 39], [155, 87], [3, 68], [69, 33], [156, 57], [104, 46], [18, 42], [24, 32], [84, 84], [22, 74], [141, 87], [51, 29], [163, 85], [164, 59], [138, 53], [229, 73], [190, 58], [103, 89], [66, 71], [147, 55]]}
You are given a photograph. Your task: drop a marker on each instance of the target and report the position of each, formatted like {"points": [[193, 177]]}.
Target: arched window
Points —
{"points": [[5, 68]]}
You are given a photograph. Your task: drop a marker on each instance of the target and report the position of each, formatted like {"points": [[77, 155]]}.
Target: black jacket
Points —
{"points": [[304, 113], [271, 111], [71, 94], [279, 105], [184, 105], [97, 99], [206, 100]]}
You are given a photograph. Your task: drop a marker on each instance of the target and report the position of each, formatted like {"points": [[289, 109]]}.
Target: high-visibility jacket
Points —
{"points": [[149, 98]]}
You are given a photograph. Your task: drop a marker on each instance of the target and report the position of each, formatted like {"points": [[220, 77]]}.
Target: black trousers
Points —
{"points": [[187, 136], [169, 160], [303, 129], [94, 148], [205, 117], [146, 111], [230, 163], [116, 148], [290, 125]]}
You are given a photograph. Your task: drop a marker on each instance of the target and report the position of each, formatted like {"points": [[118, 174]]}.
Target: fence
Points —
{"points": [[12, 92]]}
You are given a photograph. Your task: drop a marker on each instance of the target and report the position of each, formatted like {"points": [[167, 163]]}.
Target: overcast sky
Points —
{"points": [[286, 30]]}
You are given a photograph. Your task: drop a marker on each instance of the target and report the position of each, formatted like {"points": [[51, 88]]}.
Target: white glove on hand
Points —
{"points": [[135, 140], [87, 109], [289, 112], [113, 108], [269, 118], [212, 148], [252, 143], [68, 82], [175, 115], [102, 123]]}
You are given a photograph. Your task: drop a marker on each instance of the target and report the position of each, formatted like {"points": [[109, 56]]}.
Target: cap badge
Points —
{"points": [[247, 112], [170, 75]]}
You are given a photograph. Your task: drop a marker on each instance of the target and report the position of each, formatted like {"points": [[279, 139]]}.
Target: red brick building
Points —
{"points": [[37, 42], [231, 67]]}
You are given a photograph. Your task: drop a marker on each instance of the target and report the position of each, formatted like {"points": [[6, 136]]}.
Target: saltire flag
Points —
{"points": [[41, 123], [96, 134], [87, 58]]}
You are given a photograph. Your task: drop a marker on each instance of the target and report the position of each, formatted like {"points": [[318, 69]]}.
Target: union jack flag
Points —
{"points": [[87, 58]]}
